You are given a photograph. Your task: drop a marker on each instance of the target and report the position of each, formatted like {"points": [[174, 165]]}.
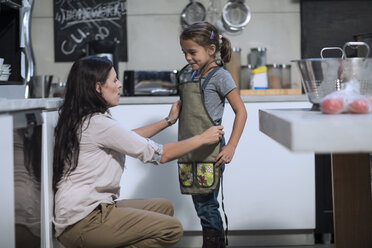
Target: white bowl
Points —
{"points": [[6, 71], [4, 77], [5, 67]]}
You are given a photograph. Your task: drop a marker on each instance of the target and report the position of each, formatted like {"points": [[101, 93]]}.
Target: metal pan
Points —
{"points": [[193, 12]]}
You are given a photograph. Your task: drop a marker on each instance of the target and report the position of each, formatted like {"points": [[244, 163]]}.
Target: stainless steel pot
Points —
{"points": [[193, 12], [235, 15], [39, 86], [322, 76]]}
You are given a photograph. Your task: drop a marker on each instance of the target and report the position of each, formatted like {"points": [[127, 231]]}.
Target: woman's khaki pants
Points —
{"points": [[143, 223]]}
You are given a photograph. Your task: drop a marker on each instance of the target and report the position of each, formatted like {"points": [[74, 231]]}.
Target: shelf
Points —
{"points": [[271, 92]]}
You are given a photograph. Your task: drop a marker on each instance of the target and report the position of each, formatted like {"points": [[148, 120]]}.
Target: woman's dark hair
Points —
{"points": [[81, 101], [205, 34]]}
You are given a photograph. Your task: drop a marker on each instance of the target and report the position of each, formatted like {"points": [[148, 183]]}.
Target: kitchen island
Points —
{"points": [[348, 137], [129, 100], [269, 192], [10, 111]]}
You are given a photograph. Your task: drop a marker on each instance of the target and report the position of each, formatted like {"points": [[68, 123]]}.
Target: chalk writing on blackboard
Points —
{"points": [[80, 21]]}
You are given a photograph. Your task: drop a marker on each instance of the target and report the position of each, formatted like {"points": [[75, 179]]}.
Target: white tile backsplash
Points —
{"points": [[156, 7], [154, 46], [153, 28], [273, 6]]}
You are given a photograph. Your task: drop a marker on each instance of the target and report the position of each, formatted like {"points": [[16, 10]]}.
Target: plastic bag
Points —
{"points": [[348, 100]]}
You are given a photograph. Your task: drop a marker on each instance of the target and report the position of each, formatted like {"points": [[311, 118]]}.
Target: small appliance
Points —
{"points": [[145, 82]]}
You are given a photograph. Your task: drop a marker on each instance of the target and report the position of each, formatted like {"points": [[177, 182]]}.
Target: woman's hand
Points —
{"points": [[150, 130], [175, 111], [177, 149], [226, 155], [212, 135]]}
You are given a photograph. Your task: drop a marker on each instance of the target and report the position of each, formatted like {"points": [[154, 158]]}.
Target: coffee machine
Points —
{"points": [[104, 48]]}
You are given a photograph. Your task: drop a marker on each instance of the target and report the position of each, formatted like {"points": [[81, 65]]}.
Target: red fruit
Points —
{"points": [[332, 105], [359, 106]]}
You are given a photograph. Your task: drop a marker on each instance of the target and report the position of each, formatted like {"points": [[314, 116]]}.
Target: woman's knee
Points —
{"points": [[179, 230], [166, 207], [176, 231]]}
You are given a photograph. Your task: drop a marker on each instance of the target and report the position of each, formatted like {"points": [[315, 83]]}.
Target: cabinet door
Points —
{"points": [[7, 217], [50, 121], [266, 187]]}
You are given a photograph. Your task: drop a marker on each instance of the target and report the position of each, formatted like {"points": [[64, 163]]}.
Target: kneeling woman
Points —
{"points": [[89, 158]]}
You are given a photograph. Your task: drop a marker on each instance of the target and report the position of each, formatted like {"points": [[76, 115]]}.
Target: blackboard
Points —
{"points": [[77, 22]]}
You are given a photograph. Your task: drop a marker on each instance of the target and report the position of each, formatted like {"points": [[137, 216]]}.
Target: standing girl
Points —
{"points": [[204, 86]]}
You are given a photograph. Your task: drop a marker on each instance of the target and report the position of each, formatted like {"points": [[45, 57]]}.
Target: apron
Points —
{"points": [[197, 171]]}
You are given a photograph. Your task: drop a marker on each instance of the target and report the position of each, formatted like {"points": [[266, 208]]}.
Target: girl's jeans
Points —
{"points": [[207, 208]]}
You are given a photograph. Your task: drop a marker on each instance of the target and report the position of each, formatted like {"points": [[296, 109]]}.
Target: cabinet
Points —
{"points": [[21, 178], [266, 187], [50, 121], [7, 218]]}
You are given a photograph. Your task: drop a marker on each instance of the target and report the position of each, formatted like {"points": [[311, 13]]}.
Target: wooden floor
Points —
{"points": [[266, 239], [303, 246], [282, 246]]}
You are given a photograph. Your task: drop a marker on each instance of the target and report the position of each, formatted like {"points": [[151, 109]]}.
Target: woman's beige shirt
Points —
{"points": [[103, 146]]}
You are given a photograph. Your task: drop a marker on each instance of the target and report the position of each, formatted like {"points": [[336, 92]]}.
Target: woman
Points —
{"points": [[89, 158]]}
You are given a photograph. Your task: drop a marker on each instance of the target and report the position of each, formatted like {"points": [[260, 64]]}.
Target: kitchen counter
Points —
{"points": [[171, 99], [9, 105], [348, 138], [284, 207], [270, 203], [303, 130], [48, 107]]}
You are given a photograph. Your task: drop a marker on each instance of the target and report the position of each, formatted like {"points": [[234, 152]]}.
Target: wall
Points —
{"points": [[345, 19], [154, 26]]}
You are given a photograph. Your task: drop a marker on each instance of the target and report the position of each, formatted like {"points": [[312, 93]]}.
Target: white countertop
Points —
{"points": [[10, 105], [171, 99], [303, 130]]}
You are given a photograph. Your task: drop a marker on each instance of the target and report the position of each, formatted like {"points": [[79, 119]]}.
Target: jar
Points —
{"points": [[257, 57], [245, 76], [279, 76], [286, 76], [234, 66]]}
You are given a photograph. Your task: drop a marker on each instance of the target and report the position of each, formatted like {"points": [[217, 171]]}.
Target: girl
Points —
{"points": [[89, 159], [206, 51]]}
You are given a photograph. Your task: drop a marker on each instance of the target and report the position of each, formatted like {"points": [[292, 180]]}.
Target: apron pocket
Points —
{"points": [[185, 174], [205, 174], [198, 178]]}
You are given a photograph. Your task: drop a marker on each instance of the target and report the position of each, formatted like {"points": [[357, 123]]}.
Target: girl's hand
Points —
{"points": [[175, 111], [226, 155]]}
